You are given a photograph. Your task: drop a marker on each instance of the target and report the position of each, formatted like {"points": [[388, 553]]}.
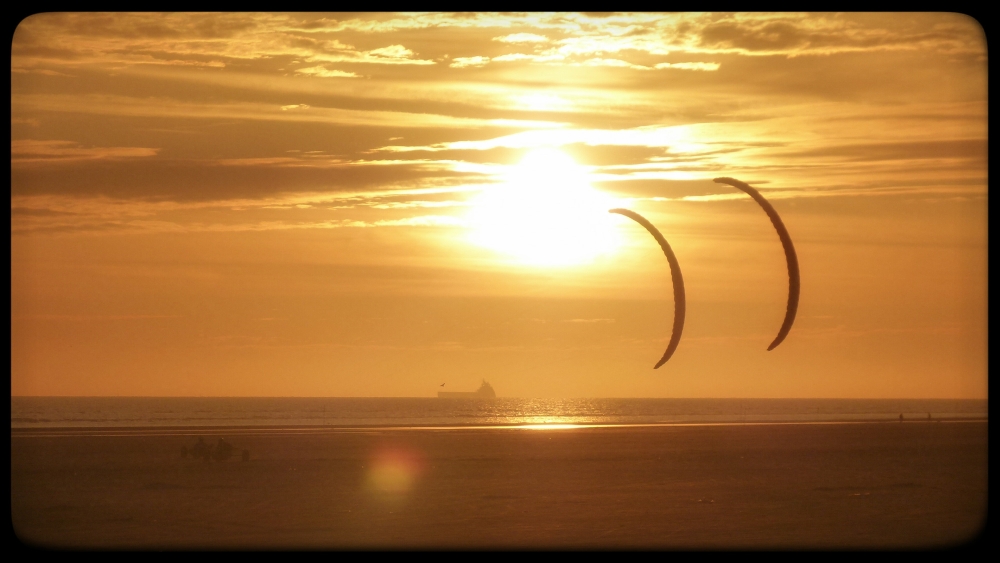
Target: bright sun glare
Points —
{"points": [[545, 213]]}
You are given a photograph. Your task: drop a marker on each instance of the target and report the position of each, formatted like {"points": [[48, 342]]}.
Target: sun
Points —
{"points": [[545, 213]]}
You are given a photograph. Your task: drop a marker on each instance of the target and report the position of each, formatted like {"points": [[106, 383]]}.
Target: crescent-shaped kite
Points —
{"points": [[790, 257], [675, 276]]}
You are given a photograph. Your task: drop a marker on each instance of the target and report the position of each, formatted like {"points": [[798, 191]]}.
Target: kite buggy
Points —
{"points": [[222, 451]]}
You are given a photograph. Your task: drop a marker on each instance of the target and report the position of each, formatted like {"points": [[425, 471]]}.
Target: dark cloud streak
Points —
{"points": [[182, 180]]}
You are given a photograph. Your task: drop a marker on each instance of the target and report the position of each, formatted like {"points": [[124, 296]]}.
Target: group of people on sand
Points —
{"points": [[223, 450], [901, 417]]}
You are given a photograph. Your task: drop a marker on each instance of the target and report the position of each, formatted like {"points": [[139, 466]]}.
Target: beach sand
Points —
{"points": [[886, 485]]}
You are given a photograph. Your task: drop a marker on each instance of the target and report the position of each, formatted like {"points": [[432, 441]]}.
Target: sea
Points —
{"points": [[190, 412]]}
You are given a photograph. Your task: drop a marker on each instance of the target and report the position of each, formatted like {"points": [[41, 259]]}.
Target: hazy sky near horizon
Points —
{"points": [[375, 204]]}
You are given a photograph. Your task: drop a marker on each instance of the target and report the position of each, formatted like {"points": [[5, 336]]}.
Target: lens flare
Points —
{"points": [[394, 470]]}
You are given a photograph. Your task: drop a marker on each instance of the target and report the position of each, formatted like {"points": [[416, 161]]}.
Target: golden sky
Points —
{"points": [[375, 204]]}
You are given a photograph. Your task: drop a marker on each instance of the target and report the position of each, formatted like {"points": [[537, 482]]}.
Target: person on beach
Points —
{"points": [[901, 417], [223, 450], [200, 449]]}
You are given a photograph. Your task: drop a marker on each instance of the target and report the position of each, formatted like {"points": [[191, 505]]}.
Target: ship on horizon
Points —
{"points": [[485, 391]]}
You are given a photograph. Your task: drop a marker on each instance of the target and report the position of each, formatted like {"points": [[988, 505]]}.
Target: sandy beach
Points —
{"points": [[883, 485]]}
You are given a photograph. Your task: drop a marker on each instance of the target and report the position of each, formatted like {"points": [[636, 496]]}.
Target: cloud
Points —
{"points": [[24, 151], [421, 221], [689, 66], [37, 212], [222, 40], [42, 71], [464, 62], [183, 180], [97, 317], [158, 107], [793, 35], [973, 149], [281, 161], [182, 39], [613, 63], [135, 226], [600, 43], [324, 73], [555, 57], [641, 136], [412, 204], [391, 55], [392, 52], [78, 212], [522, 38], [515, 57], [586, 83]]}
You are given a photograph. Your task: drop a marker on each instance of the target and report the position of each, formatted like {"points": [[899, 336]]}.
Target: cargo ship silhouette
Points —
{"points": [[485, 391]]}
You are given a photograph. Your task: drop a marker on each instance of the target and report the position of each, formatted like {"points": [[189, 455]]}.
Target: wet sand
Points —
{"points": [[884, 485]]}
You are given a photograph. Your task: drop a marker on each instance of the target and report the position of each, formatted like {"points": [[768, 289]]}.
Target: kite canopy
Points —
{"points": [[675, 276], [790, 257]]}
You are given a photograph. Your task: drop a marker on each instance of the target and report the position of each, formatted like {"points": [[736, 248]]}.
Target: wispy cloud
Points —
{"points": [[522, 38], [175, 108], [689, 66], [463, 62], [325, 73], [25, 151]]}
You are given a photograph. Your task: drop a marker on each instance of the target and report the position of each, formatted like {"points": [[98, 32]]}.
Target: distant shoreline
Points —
{"points": [[319, 428], [984, 399]]}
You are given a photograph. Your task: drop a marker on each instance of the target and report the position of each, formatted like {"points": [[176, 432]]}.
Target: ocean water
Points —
{"points": [[83, 412]]}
